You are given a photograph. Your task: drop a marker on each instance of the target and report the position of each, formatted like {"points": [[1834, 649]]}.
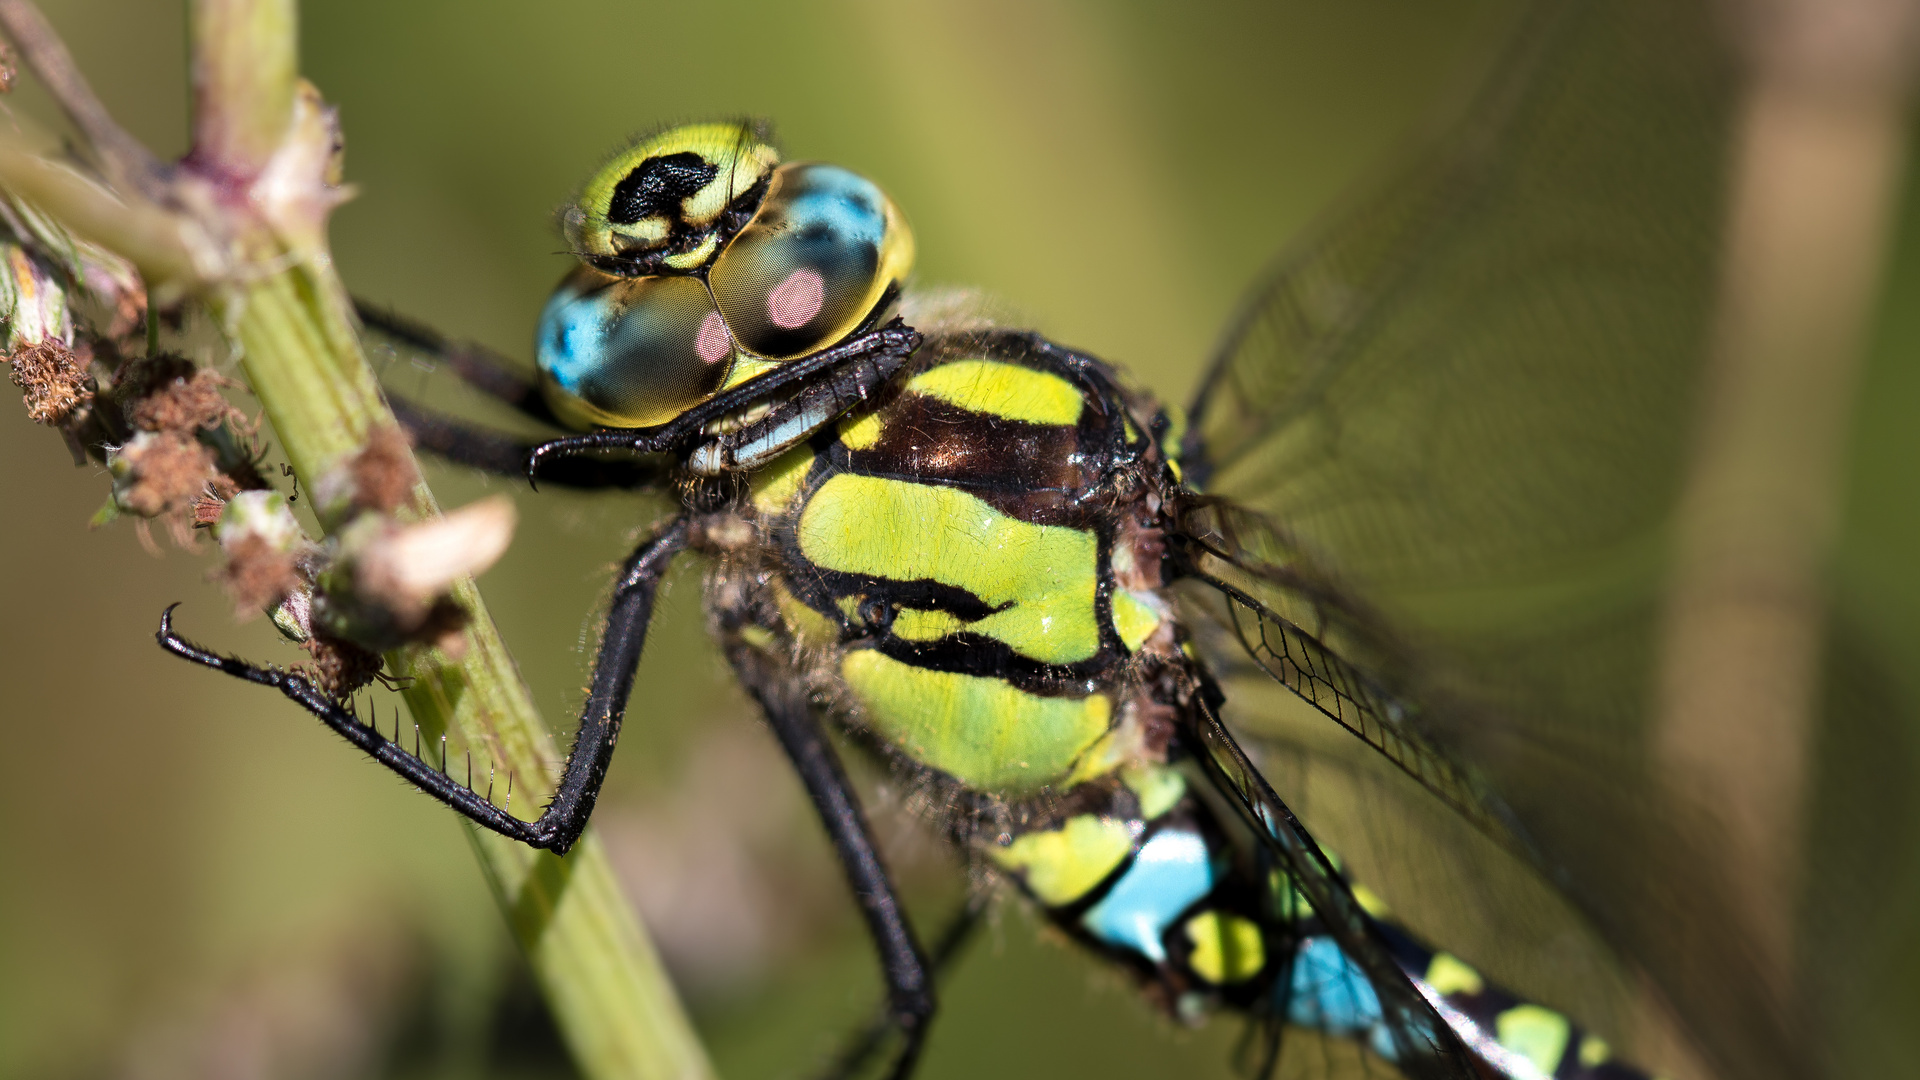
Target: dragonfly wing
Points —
{"points": [[1421, 1044], [1459, 412]]}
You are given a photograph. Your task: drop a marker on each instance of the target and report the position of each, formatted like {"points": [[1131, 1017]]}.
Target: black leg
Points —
{"points": [[565, 818], [866, 1041], [910, 996], [505, 455], [482, 369]]}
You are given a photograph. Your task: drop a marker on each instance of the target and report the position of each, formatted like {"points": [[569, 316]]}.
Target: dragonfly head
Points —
{"points": [[706, 262]]}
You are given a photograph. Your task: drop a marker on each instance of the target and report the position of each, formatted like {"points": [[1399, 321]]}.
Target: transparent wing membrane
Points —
{"points": [[1438, 452], [1253, 594]]}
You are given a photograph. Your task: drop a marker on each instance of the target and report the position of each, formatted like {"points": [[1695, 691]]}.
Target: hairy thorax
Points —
{"points": [[967, 572]]}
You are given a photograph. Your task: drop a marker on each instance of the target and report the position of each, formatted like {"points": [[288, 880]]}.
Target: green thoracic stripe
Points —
{"points": [[1044, 577], [981, 731], [1004, 390]]}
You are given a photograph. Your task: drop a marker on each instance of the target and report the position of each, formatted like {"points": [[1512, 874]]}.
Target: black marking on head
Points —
{"points": [[658, 186]]}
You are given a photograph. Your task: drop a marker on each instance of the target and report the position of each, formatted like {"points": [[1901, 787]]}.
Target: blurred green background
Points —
{"points": [[197, 880]]}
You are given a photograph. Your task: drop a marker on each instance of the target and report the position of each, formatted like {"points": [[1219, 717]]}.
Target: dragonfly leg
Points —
{"points": [[565, 817], [903, 964], [865, 1042], [506, 455], [478, 447], [478, 367]]}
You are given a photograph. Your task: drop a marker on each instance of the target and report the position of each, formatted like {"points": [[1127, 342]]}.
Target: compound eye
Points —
{"points": [[666, 204], [810, 267], [630, 352]]}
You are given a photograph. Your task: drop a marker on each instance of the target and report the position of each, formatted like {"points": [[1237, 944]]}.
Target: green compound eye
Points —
{"points": [[823, 250], [670, 202], [630, 352]]}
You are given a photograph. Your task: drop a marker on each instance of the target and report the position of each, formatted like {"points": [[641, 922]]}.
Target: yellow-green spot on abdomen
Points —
{"points": [[981, 731], [1536, 1033], [809, 626], [1004, 390], [1062, 865], [1043, 577], [1226, 948], [1448, 974]]}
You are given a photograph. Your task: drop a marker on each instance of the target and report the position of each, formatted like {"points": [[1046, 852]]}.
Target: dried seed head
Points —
{"points": [[340, 667], [184, 403], [383, 473], [155, 473], [257, 577], [379, 478], [55, 381], [264, 546]]}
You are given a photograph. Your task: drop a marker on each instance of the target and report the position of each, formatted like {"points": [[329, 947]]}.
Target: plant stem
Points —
{"points": [[599, 973], [241, 225], [602, 979]]}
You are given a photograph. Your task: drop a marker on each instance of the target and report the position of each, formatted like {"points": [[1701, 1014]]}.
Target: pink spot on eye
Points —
{"points": [[713, 344], [795, 301]]}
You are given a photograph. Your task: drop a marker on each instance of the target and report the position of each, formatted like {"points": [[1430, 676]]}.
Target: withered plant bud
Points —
{"points": [[340, 667], [263, 544], [39, 337], [156, 473], [390, 581], [54, 380], [412, 564], [185, 403], [379, 478], [257, 576], [212, 503]]}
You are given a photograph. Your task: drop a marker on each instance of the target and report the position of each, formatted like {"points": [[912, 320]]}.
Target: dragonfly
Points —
{"points": [[1388, 574]]}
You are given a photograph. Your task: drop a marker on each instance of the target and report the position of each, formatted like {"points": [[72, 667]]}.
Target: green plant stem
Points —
{"points": [[600, 974], [241, 225], [602, 979]]}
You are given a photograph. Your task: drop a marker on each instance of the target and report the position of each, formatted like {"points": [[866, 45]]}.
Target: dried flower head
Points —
{"points": [[339, 667], [185, 403], [379, 478], [54, 378], [156, 473], [390, 584], [257, 576], [264, 545]]}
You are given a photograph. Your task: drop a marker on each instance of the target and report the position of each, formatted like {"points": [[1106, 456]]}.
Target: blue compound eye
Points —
{"points": [[807, 271], [630, 352]]}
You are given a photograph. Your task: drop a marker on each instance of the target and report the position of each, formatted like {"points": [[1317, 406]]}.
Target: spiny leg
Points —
{"points": [[861, 1047], [480, 368], [363, 734], [903, 963], [478, 447], [563, 820], [506, 455]]}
